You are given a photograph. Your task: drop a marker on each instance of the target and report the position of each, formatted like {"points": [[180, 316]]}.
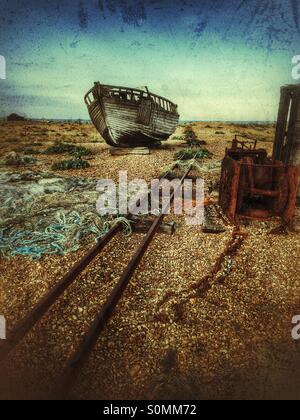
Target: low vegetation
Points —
{"points": [[31, 151], [187, 154], [76, 163], [14, 159], [61, 148], [191, 138]]}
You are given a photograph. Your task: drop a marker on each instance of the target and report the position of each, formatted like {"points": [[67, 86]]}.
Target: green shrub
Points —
{"points": [[31, 151], [64, 165], [195, 142], [81, 151], [13, 159], [61, 148], [29, 160], [187, 154], [189, 133]]}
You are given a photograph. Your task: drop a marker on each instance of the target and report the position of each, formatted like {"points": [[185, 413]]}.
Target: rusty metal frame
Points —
{"points": [[241, 172]]}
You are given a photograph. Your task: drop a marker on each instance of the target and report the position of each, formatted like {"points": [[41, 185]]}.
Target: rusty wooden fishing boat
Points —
{"points": [[127, 117]]}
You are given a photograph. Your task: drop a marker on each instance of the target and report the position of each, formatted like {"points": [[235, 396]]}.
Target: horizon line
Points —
{"points": [[180, 121]]}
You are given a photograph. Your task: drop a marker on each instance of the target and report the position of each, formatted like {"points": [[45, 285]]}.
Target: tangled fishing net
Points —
{"points": [[127, 225], [43, 214], [179, 167]]}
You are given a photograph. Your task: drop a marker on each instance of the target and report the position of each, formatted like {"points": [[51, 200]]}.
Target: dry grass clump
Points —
{"points": [[14, 159]]}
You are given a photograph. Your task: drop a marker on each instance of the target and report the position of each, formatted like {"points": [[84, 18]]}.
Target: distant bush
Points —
{"points": [[195, 142], [61, 148], [81, 151], [191, 138], [178, 138], [189, 133], [31, 151], [187, 154], [14, 159], [70, 164], [29, 160]]}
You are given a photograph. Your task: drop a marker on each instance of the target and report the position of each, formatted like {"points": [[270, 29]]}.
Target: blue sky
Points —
{"points": [[219, 60]]}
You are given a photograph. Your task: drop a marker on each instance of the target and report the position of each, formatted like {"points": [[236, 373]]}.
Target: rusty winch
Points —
{"points": [[255, 186], [259, 187]]}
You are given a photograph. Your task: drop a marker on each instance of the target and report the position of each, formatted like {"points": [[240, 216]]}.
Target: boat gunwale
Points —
{"points": [[134, 90]]}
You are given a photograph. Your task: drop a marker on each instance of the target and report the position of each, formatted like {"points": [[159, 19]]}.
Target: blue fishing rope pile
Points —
{"points": [[61, 237], [54, 230]]}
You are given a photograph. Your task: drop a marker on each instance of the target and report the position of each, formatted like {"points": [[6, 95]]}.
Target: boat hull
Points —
{"points": [[126, 120]]}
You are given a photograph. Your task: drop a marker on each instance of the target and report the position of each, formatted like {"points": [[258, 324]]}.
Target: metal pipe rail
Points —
{"points": [[78, 359], [40, 309], [28, 322]]}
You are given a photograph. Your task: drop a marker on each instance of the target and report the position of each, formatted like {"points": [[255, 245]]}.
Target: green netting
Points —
{"points": [[127, 225], [64, 235], [43, 214]]}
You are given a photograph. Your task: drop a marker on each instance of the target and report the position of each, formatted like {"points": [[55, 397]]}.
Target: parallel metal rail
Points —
{"points": [[89, 340], [29, 321], [82, 353]]}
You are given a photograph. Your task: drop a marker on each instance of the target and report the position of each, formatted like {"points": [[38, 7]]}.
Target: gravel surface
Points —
{"points": [[234, 341]]}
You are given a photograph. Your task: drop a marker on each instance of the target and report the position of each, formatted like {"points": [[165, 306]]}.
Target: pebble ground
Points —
{"points": [[234, 342]]}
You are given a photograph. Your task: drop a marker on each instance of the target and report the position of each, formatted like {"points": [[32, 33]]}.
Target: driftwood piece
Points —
{"points": [[120, 151]]}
